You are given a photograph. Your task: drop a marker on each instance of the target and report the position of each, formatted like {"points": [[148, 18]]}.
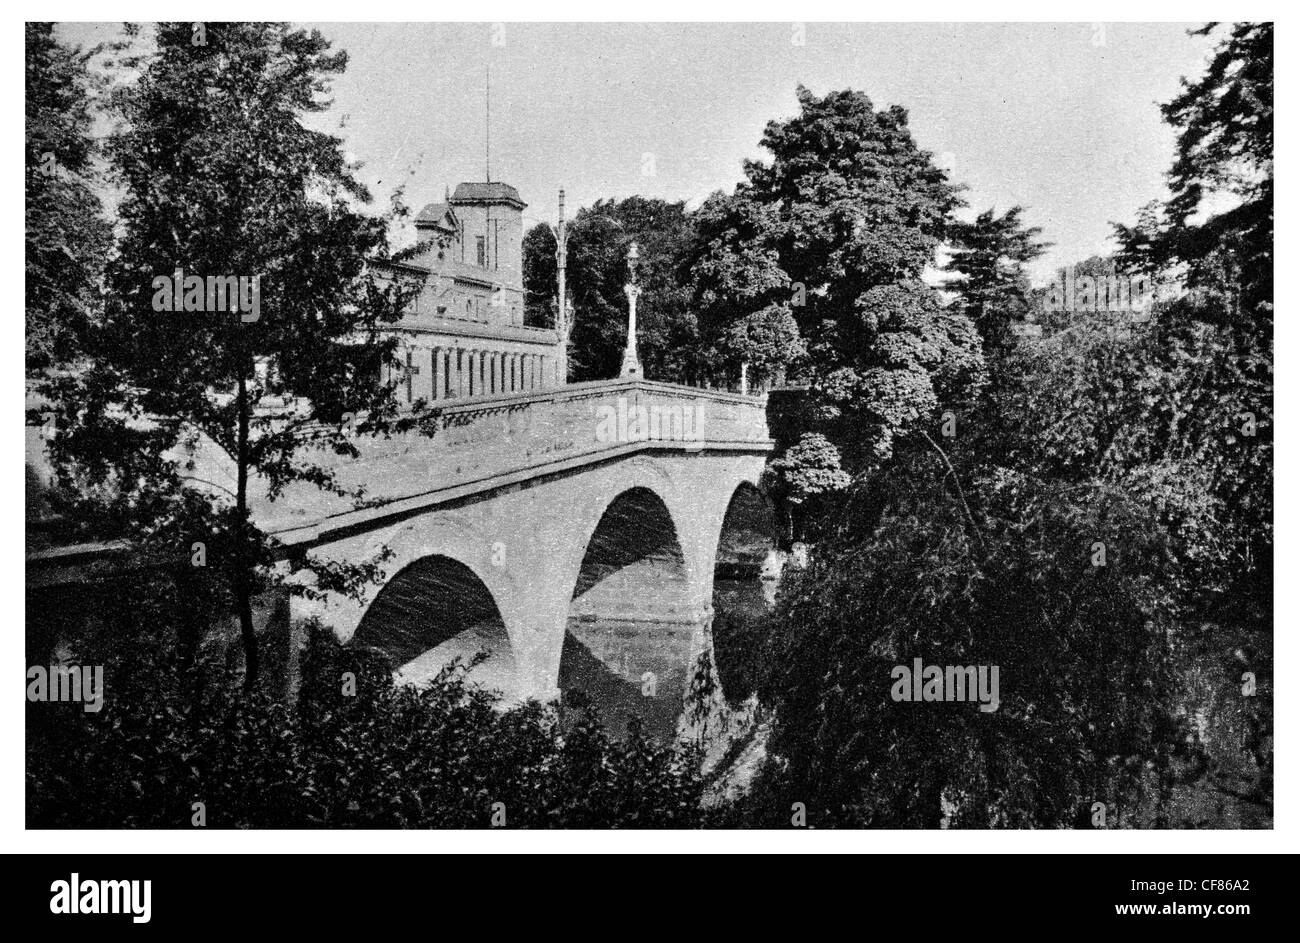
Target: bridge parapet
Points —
{"points": [[484, 444]]}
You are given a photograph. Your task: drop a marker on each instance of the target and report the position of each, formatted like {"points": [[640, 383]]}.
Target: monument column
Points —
{"points": [[631, 362]]}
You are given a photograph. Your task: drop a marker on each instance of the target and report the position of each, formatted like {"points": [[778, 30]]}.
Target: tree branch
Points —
{"points": [[961, 495]]}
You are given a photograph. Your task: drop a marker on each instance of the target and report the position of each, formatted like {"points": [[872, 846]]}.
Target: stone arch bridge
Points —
{"points": [[531, 518]]}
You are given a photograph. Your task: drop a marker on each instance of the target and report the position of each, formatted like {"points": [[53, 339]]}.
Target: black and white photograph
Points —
{"points": [[720, 427]]}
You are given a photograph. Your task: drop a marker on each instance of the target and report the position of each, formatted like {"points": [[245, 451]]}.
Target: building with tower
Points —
{"points": [[464, 334]]}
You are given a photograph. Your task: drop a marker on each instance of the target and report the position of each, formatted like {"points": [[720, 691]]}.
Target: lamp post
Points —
{"points": [[631, 363], [562, 322]]}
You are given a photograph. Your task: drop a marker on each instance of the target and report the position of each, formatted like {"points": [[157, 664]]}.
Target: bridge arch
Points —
{"points": [[543, 553], [635, 531], [747, 535], [744, 587], [631, 626], [433, 610]]}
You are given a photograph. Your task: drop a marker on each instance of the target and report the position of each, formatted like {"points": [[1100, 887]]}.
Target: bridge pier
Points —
{"points": [[536, 612]]}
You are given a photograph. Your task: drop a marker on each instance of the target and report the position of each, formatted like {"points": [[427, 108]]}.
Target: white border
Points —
{"points": [[14, 837]]}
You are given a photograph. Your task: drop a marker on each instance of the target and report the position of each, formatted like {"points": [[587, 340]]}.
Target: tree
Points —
{"points": [[841, 224], [1224, 260], [599, 237], [222, 180], [1084, 687], [1224, 121], [989, 258], [67, 237], [767, 340], [738, 288], [539, 276], [802, 475]]}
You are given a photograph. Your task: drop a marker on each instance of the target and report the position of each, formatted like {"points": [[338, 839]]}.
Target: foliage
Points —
{"points": [[767, 341], [1084, 666], [806, 473], [1147, 434], [839, 227], [1224, 318], [67, 237], [222, 178], [440, 756], [599, 238], [989, 258]]}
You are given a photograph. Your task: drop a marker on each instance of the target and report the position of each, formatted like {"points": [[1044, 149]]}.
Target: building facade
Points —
{"points": [[463, 335]]}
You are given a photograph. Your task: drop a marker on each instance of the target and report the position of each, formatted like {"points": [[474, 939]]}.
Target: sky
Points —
{"points": [[1060, 118]]}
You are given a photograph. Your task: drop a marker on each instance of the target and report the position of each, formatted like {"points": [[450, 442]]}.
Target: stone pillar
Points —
{"points": [[536, 616], [631, 362], [427, 378]]}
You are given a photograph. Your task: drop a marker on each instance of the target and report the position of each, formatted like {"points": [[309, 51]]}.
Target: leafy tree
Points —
{"points": [[743, 299], [1112, 429], [767, 340], [599, 237], [1085, 684], [1224, 319], [1224, 122], [840, 225], [67, 237], [539, 276], [805, 474], [222, 178], [989, 257]]}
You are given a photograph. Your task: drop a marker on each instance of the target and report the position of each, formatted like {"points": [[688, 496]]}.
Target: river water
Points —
{"points": [[666, 674]]}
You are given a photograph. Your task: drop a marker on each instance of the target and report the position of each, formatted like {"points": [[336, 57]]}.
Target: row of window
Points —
{"points": [[458, 373]]}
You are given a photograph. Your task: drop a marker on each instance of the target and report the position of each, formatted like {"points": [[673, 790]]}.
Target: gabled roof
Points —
{"points": [[487, 193], [439, 215]]}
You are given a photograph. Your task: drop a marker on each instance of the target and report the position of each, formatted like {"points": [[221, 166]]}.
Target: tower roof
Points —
{"points": [[487, 193], [437, 214]]}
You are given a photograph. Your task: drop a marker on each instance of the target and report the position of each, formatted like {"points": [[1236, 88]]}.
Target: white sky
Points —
{"points": [[1062, 118]]}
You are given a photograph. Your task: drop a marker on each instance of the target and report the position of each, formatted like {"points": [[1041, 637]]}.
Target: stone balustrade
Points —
{"points": [[494, 442]]}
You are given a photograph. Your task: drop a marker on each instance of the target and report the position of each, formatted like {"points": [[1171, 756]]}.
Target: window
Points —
{"points": [[482, 251]]}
